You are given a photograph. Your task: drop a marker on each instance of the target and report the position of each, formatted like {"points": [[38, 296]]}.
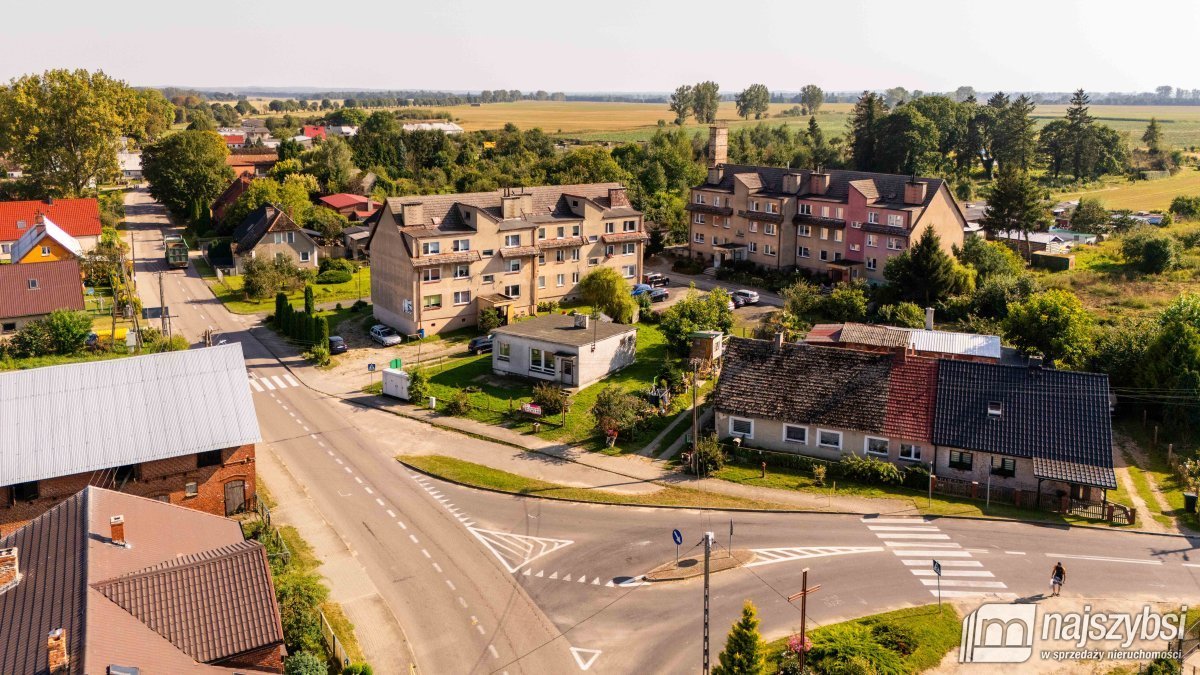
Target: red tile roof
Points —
{"points": [[912, 394], [312, 131], [77, 217], [234, 139], [343, 199], [59, 286], [250, 160]]}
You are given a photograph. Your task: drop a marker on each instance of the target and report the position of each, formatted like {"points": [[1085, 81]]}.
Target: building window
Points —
{"points": [[512, 240], [772, 207], [8, 327], [795, 434], [803, 252], [609, 228], [45, 251], [804, 209], [753, 205], [487, 252], [190, 489], [431, 274], [698, 238], [995, 409], [489, 278], [541, 233], [432, 301], [837, 235], [408, 306], [542, 258], [856, 225], [824, 233], [824, 255], [741, 427], [753, 226], [25, 492], [960, 459], [629, 248], [575, 254], [837, 255], [855, 247], [462, 271], [462, 297], [503, 350], [630, 226], [629, 271], [896, 221], [824, 211], [291, 237], [541, 282], [560, 232], [871, 240], [872, 263], [838, 213], [611, 249], [574, 230], [769, 229], [592, 262], [461, 245], [910, 452], [513, 266], [1004, 466], [541, 361], [513, 291], [574, 277], [560, 255], [209, 458], [33, 284], [699, 198], [753, 246], [768, 249], [304, 256], [804, 231], [716, 200], [431, 248], [560, 280], [875, 446], [873, 217], [698, 218], [894, 244], [829, 439], [593, 238]]}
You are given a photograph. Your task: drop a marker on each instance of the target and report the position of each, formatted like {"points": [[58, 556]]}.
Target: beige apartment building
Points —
{"points": [[438, 260], [846, 224]]}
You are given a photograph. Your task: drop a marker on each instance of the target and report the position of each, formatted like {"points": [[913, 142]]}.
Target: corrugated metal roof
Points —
{"points": [[946, 342], [84, 417]]}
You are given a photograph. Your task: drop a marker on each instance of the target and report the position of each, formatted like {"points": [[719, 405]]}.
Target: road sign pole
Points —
{"points": [[937, 570], [731, 537], [677, 555], [803, 617]]}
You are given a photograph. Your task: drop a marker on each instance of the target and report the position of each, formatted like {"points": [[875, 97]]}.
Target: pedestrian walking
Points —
{"points": [[1057, 576]]}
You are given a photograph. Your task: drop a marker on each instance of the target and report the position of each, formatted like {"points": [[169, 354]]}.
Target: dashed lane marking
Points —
{"points": [[492, 649], [1100, 558], [413, 537], [391, 514], [379, 501]]}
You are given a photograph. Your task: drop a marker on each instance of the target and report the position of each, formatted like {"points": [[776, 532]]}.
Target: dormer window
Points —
{"points": [[33, 284], [995, 409], [21, 224]]}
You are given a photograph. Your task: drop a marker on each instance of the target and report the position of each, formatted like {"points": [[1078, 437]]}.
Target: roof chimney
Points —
{"points": [[617, 197], [818, 182], [718, 145], [50, 201], [10, 572], [117, 523], [412, 213], [581, 320], [928, 318], [779, 341], [914, 192], [791, 182], [56, 651]]}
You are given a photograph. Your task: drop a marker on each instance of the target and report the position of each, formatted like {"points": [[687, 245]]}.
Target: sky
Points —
{"points": [[612, 45]]}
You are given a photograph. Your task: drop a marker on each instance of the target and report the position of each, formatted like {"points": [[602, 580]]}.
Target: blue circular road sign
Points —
{"points": [[677, 536]]}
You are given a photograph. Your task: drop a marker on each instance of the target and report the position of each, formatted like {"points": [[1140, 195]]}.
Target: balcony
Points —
{"points": [[709, 208], [761, 216], [809, 219]]}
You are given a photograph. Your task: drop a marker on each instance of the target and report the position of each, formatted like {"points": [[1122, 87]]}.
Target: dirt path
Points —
{"points": [[1138, 454], [1145, 518]]}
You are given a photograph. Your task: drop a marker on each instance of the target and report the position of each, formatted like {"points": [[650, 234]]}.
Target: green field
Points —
{"points": [[1142, 195]]}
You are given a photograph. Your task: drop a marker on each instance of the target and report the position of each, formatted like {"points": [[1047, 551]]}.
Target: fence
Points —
{"points": [[336, 650]]}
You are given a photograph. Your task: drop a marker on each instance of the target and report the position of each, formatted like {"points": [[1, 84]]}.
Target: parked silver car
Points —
{"points": [[385, 335], [748, 296]]}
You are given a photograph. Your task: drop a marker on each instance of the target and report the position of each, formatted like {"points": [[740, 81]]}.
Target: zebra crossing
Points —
{"points": [[917, 542], [261, 383]]}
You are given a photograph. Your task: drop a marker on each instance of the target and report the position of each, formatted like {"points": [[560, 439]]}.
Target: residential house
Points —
{"points": [[572, 350], [46, 242], [303, 141], [846, 224], [310, 132], [438, 260], [79, 218], [355, 207], [257, 135], [178, 427], [444, 127], [34, 291], [1033, 242], [1043, 431], [908, 341], [235, 189], [131, 166], [234, 141], [1028, 434], [254, 165], [268, 232], [354, 240], [1074, 238], [341, 131], [108, 582]]}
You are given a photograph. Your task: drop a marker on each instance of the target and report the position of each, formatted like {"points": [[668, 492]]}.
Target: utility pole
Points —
{"points": [[695, 423], [708, 542], [803, 595], [162, 306]]}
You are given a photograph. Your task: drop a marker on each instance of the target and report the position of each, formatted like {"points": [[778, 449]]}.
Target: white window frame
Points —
{"points": [[872, 241], [698, 238], [873, 217], [431, 275], [768, 249], [872, 263], [305, 256], [629, 248], [488, 279], [574, 277], [753, 226], [804, 209], [460, 300], [737, 434], [512, 266], [772, 207], [611, 249], [629, 271], [769, 229], [804, 230], [540, 366], [910, 448], [511, 287], [753, 246], [541, 282], [867, 446], [795, 427], [699, 198], [425, 304], [894, 244], [503, 350], [824, 255], [837, 235], [511, 240], [610, 228], [462, 271], [838, 213], [895, 220], [560, 280], [431, 247], [592, 262], [824, 234], [629, 226], [824, 211], [803, 252], [820, 444], [461, 245]]}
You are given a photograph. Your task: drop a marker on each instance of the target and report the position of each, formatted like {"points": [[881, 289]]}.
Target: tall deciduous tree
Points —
{"points": [[332, 163], [681, 103], [908, 142], [1090, 216], [963, 93], [1052, 324], [187, 171], [753, 100], [63, 127], [744, 653], [706, 97], [811, 99], [1016, 203], [604, 289]]}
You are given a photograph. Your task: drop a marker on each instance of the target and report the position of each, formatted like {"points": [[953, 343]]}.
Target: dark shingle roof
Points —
{"points": [[256, 225], [882, 188], [803, 383], [210, 605], [442, 210], [1059, 418], [52, 559]]}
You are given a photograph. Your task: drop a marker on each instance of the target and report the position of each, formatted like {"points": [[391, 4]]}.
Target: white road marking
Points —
{"points": [[900, 528], [973, 594], [370, 492], [313, 436], [921, 544], [279, 382], [336, 459], [391, 514], [584, 658], [480, 629], [347, 469], [954, 573], [426, 554], [305, 427], [255, 385], [437, 567], [931, 554], [414, 538], [450, 584], [514, 551], [329, 452], [1015, 552], [907, 521], [267, 384], [321, 443], [964, 583], [1190, 565], [291, 380], [1104, 559], [492, 649], [379, 501], [358, 480], [888, 535], [768, 556], [461, 601], [402, 525], [948, 563], [291, 413]]}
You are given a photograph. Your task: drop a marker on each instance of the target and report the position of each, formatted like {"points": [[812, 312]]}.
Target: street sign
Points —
{"points": [[370, 367], [937, 568], [677, 536], [531, 408]]}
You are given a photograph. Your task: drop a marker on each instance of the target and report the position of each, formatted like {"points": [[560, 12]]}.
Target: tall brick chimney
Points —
{"points": [[617, 197], [914, 192], [718, 144], [56, 651], [10, 571], [413, 214], [791, 182], [818, 182], [117, 523]]}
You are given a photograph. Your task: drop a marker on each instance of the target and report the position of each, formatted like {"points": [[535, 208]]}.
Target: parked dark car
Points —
{"points": [[659, 294], [737, 300], [480, 345], [656, 279], [639, 289], [337, 345]]}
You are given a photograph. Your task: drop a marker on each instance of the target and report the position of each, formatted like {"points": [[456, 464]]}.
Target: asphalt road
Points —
{"points": [[486, 583]]}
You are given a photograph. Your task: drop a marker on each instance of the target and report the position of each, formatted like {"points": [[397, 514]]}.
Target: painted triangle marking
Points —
{"points": [[540, 573], [567, 578], [554, 575], [596, 581], [528, 571], [609, 584], [583, 578], [584, 658], [514, 551]]}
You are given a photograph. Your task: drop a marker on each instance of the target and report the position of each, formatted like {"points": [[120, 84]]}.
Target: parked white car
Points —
{"points": [[748, 296], [385, 335]]}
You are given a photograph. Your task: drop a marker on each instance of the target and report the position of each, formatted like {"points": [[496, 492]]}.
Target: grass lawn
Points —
{"points": [[1142, 195], [477, 475], [932, 631], [43, 361], [305, 560], [496, 396], [230, 292]]}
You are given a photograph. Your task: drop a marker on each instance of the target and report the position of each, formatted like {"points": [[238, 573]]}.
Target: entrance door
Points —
{"points": [[235, 497], [568, 371]]}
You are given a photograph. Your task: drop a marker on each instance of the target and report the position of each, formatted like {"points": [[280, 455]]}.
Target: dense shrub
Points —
{"points": [[334, 277], [897, 638], [358, 669], [62, 332], [1150, 251], [489, 320], [418, 387], [852, 648], [903, 314], [551, 397], [546, 306], [999, 291], [305, 663], [673, 378], [459, 404], [619, 410], [1186, 207], [342, 264], [299, 595], [707, 457], [687, 266], [847, 302], [870, 470]]}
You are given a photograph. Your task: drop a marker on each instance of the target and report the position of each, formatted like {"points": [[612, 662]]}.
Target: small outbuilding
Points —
{"points": [[573, 350]]}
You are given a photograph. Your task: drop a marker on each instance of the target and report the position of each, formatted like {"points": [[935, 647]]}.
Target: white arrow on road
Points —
{"points": [[585, 657], [514, 551]]}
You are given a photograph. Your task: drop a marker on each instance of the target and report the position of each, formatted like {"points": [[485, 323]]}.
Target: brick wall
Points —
{"points": [[165, 478], [268, 659]]}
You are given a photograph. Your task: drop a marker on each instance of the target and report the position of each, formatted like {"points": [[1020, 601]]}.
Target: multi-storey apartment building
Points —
{"points": [[844, 223], [438, 260]]}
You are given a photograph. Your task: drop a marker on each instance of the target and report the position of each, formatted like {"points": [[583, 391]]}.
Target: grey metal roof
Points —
{"points": [[949, 342], [560, 329], [83, 417]]}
